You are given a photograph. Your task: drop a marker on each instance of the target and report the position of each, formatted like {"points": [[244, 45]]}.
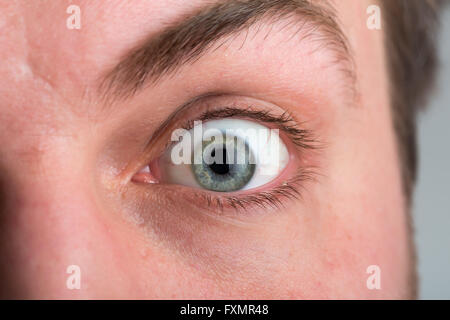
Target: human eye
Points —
{"points": [[226, 155], [233, 156]]}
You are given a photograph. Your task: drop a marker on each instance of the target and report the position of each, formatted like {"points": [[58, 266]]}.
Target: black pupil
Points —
{"points": [[220, 168]]}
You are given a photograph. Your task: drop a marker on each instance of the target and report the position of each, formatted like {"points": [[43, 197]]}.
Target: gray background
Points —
{"points": [[432, 198]]}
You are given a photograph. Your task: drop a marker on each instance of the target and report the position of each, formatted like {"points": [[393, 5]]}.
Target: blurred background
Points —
{"points": [[432, 199]]}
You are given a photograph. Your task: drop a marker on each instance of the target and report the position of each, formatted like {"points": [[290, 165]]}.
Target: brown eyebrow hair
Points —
{"points": [[186, 40]]}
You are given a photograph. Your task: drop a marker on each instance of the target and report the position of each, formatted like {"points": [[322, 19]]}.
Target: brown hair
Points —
{"points": [[410, 41], [410, 46]]}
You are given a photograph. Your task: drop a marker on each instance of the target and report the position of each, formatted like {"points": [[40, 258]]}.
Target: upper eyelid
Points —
{"points": [[294, 130], [179, 111], [300, 137]]}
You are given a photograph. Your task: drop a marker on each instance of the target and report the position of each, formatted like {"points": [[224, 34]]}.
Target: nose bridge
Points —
{"points": [[49, 217], [46, 214]]}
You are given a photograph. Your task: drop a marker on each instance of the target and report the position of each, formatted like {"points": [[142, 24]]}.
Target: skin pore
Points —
{"points": [[70, 152]]}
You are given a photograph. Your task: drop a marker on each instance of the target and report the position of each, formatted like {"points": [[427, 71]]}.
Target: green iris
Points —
{"points": [[222, 169]]}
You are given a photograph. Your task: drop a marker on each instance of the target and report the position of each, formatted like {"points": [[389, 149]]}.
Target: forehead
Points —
{"points": [[39, 52], [46, 64]]}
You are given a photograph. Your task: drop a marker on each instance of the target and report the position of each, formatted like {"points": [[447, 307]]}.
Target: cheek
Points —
{"points": [[362, 209], [357, 232]]}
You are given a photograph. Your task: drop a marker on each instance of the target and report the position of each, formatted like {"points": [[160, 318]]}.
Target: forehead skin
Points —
{"points": [[53, 214]]}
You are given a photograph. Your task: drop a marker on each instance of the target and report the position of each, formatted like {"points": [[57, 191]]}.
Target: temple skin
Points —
{"points": [[63, 153]]}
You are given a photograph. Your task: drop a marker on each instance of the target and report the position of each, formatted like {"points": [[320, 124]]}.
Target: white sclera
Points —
{"points": [[270, 153]]}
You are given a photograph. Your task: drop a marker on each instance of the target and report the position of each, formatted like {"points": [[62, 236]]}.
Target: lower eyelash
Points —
{"points": [[289, 190]]}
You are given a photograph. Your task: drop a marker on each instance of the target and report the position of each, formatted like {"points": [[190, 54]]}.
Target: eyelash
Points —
{"points": [[264, 199], [273, 198], [300, 137]]}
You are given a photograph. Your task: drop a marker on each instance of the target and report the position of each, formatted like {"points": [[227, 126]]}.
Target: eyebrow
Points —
{"points": [[190, 37]]}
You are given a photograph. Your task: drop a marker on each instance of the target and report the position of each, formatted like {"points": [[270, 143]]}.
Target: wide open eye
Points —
{"points": [[224, 155]]}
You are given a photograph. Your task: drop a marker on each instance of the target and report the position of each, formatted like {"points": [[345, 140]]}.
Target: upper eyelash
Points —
{"points": [[300, 137]]}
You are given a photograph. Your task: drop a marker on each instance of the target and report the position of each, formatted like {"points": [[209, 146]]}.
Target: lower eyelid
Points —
{"points": [[215, 204]]}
